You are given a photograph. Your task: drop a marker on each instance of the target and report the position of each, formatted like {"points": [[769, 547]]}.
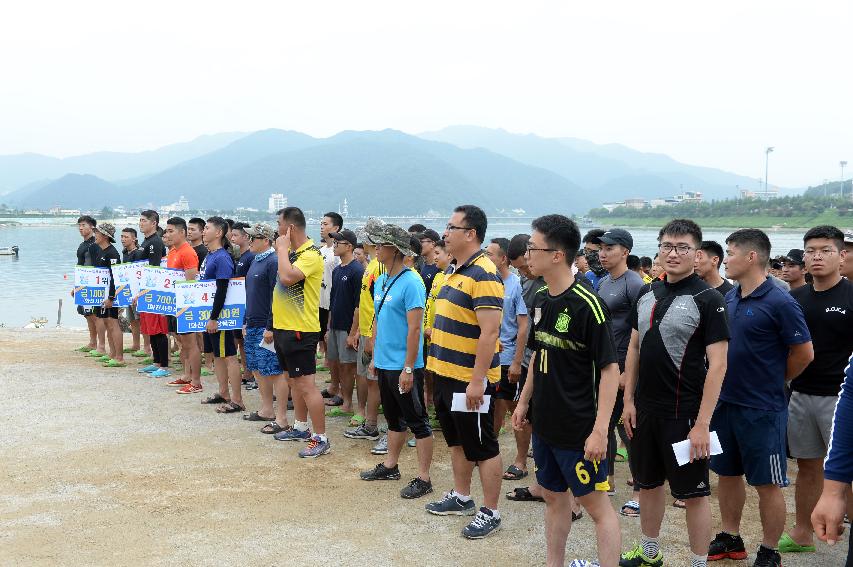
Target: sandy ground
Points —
{"points": [[105, 467]]}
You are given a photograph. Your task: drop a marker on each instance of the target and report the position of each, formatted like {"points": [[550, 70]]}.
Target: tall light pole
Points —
{"points": [[842, 164], [766, 168]]}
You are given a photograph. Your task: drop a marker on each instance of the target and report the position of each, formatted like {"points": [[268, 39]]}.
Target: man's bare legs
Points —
{"points": [[101, 331], [806, 495], [361, 392], [491, 472], [308, 401], [115, 339], [135, 344], [558, 524], [191, 358], [91, 323], [227, 371], [346, 374]]}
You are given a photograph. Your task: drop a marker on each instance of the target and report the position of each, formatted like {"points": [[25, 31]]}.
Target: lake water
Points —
{"points": [[32, 284]]}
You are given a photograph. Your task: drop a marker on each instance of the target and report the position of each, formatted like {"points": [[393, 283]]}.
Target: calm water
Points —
{"points": [[32, 284]]}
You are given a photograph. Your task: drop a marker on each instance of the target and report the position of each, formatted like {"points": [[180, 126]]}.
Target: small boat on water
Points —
{"points": [[8, 250]]}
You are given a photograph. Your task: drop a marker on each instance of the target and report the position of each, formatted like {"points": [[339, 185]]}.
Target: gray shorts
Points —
{"points": [[337, 349], [809, 425], [361, 367], [131, 313]]}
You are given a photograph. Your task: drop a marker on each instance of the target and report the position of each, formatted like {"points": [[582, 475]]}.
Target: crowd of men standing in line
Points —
{"points": [[589, 342]]}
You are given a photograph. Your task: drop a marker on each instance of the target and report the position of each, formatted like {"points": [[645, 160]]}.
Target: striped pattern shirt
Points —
{"points": [[471, 286]]}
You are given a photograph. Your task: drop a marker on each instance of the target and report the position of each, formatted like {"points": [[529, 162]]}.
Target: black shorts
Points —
{"points": [[172, 323], [506, 390], [86, 311], [475, 432], [238, 334], [102, 313], [653, 460], [296, 351], [324, 322], [404, 411], [220, 343]]}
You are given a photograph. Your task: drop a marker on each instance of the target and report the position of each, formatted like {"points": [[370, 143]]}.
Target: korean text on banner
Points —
{"points": [[90, 286], [195, 303], [157, 290]]}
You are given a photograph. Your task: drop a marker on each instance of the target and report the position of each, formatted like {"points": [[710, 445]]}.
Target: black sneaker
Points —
{"points": [[727, 546], [381, 472], [416, 488], [767, 557]]}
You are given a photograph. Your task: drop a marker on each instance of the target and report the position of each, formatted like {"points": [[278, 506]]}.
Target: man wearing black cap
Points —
{"points": [[428, 238], [343, 306], [794, 268]]}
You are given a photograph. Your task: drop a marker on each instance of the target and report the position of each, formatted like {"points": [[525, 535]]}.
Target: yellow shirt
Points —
{"points": [[473, 285], [365, 299], [647, 278], [297, 307], [429, 311]]}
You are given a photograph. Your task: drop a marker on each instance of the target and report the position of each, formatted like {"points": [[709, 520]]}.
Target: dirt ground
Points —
{"points": [[107, 467]]}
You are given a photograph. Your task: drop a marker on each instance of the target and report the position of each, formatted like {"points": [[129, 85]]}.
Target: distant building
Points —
{"points": [[761, 194], [635, 203], [688, 197], [182, 206], [276, 202]]}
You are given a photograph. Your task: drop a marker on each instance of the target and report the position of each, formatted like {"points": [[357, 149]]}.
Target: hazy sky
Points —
{"points": [[709, 83]]}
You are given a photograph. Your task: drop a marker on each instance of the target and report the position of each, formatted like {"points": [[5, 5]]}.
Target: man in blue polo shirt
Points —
{"points": [[770, 345]]}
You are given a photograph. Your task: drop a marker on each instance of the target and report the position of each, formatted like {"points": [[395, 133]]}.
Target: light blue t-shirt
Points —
{"points": [[405, 293], [513, 307]]}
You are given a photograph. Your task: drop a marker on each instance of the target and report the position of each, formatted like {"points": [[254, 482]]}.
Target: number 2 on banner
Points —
{"points": [[167, 283]]}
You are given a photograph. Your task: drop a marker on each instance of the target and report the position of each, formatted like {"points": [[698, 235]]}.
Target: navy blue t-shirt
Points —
{"points": [[764, 325], [260, 283], [346, 288], [217, 265], [242, 266], [428, 272]]}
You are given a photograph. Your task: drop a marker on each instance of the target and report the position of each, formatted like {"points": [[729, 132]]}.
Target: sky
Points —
{"points": [[710, 83]]}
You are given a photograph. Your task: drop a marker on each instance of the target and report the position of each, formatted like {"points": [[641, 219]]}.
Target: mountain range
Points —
{"points": [[378, 172]]}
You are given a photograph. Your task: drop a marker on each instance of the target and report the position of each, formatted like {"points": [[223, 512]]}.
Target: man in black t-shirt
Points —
{"points": [[108, 257], [828, 308], [86, 226], [709, 256], [669, 395], [572, 379]]}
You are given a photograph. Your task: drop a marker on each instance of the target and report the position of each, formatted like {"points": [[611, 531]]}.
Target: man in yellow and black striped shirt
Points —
{"points": [[463, 355]]}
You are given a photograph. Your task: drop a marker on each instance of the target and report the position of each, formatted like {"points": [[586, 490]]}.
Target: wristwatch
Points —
{"points": [[407, 370]]}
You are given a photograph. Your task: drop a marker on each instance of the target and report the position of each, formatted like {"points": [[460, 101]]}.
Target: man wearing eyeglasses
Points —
{"points": [[828, 308], [670, 394], [463, 355]]}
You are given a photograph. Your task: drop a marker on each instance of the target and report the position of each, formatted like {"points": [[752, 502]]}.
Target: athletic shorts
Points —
{"points": [[296, 351], [506, 390], [474, 432], [404, 411], [172, 322], [220, 343], [653, 460], [324, 322], [259, 359], [559, 470], [753, 442], [362, 359], [337, 349], [238, 334], [809, 425], [103, 313]]}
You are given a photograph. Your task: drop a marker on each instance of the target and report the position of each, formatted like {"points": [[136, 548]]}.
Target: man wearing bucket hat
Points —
{"points": [[106, 257], [399, 297]]}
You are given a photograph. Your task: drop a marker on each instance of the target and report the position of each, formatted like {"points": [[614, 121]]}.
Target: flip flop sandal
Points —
{"points": [[522, 494], [679, 504], [576, 517], [335, 401], [273, 428], [326, 395], [621, 455], [356, 420], [514, 473], [206, 372], [788, 545], [336, 411], [630, 509], [215, 399], [128, 350], [630, 482], [230, 407], [255, 416], [114, 364]]}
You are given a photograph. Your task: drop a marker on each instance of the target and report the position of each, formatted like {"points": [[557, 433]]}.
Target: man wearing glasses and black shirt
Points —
{"points": [[86, 226]]}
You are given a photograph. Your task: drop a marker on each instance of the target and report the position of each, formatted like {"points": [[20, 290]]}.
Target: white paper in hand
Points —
{"points": [[682, 449], [460, 403], [266, 345]]}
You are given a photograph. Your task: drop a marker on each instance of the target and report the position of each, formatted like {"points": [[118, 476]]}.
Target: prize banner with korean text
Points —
{"points": [[127, 276], [195, 302], [157, 290], [90, 285]]}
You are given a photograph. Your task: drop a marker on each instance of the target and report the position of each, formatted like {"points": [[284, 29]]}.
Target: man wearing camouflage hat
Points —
{"points": [[106, 257]]}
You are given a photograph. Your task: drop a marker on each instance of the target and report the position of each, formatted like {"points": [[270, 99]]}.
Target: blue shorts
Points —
{"points": [[754, 444], [559, 470], [264, 361]]}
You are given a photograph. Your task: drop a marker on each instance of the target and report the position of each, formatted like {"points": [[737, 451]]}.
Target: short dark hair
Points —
{"points": [[503, 244], [230, 223], [151, 215], [130, 230], [358, 245], [292, 215], [517, 246], [222, 225], [646, 262], [178, 222], [415, 244], [712, 248], [87, 219], [633, 262], [825, 231], [417, 227], [593, 236], [240, 226], [561, 232], [337, 220], [475, 218], [753, 239], [682, 227], [199, 222], [440, 244]]}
